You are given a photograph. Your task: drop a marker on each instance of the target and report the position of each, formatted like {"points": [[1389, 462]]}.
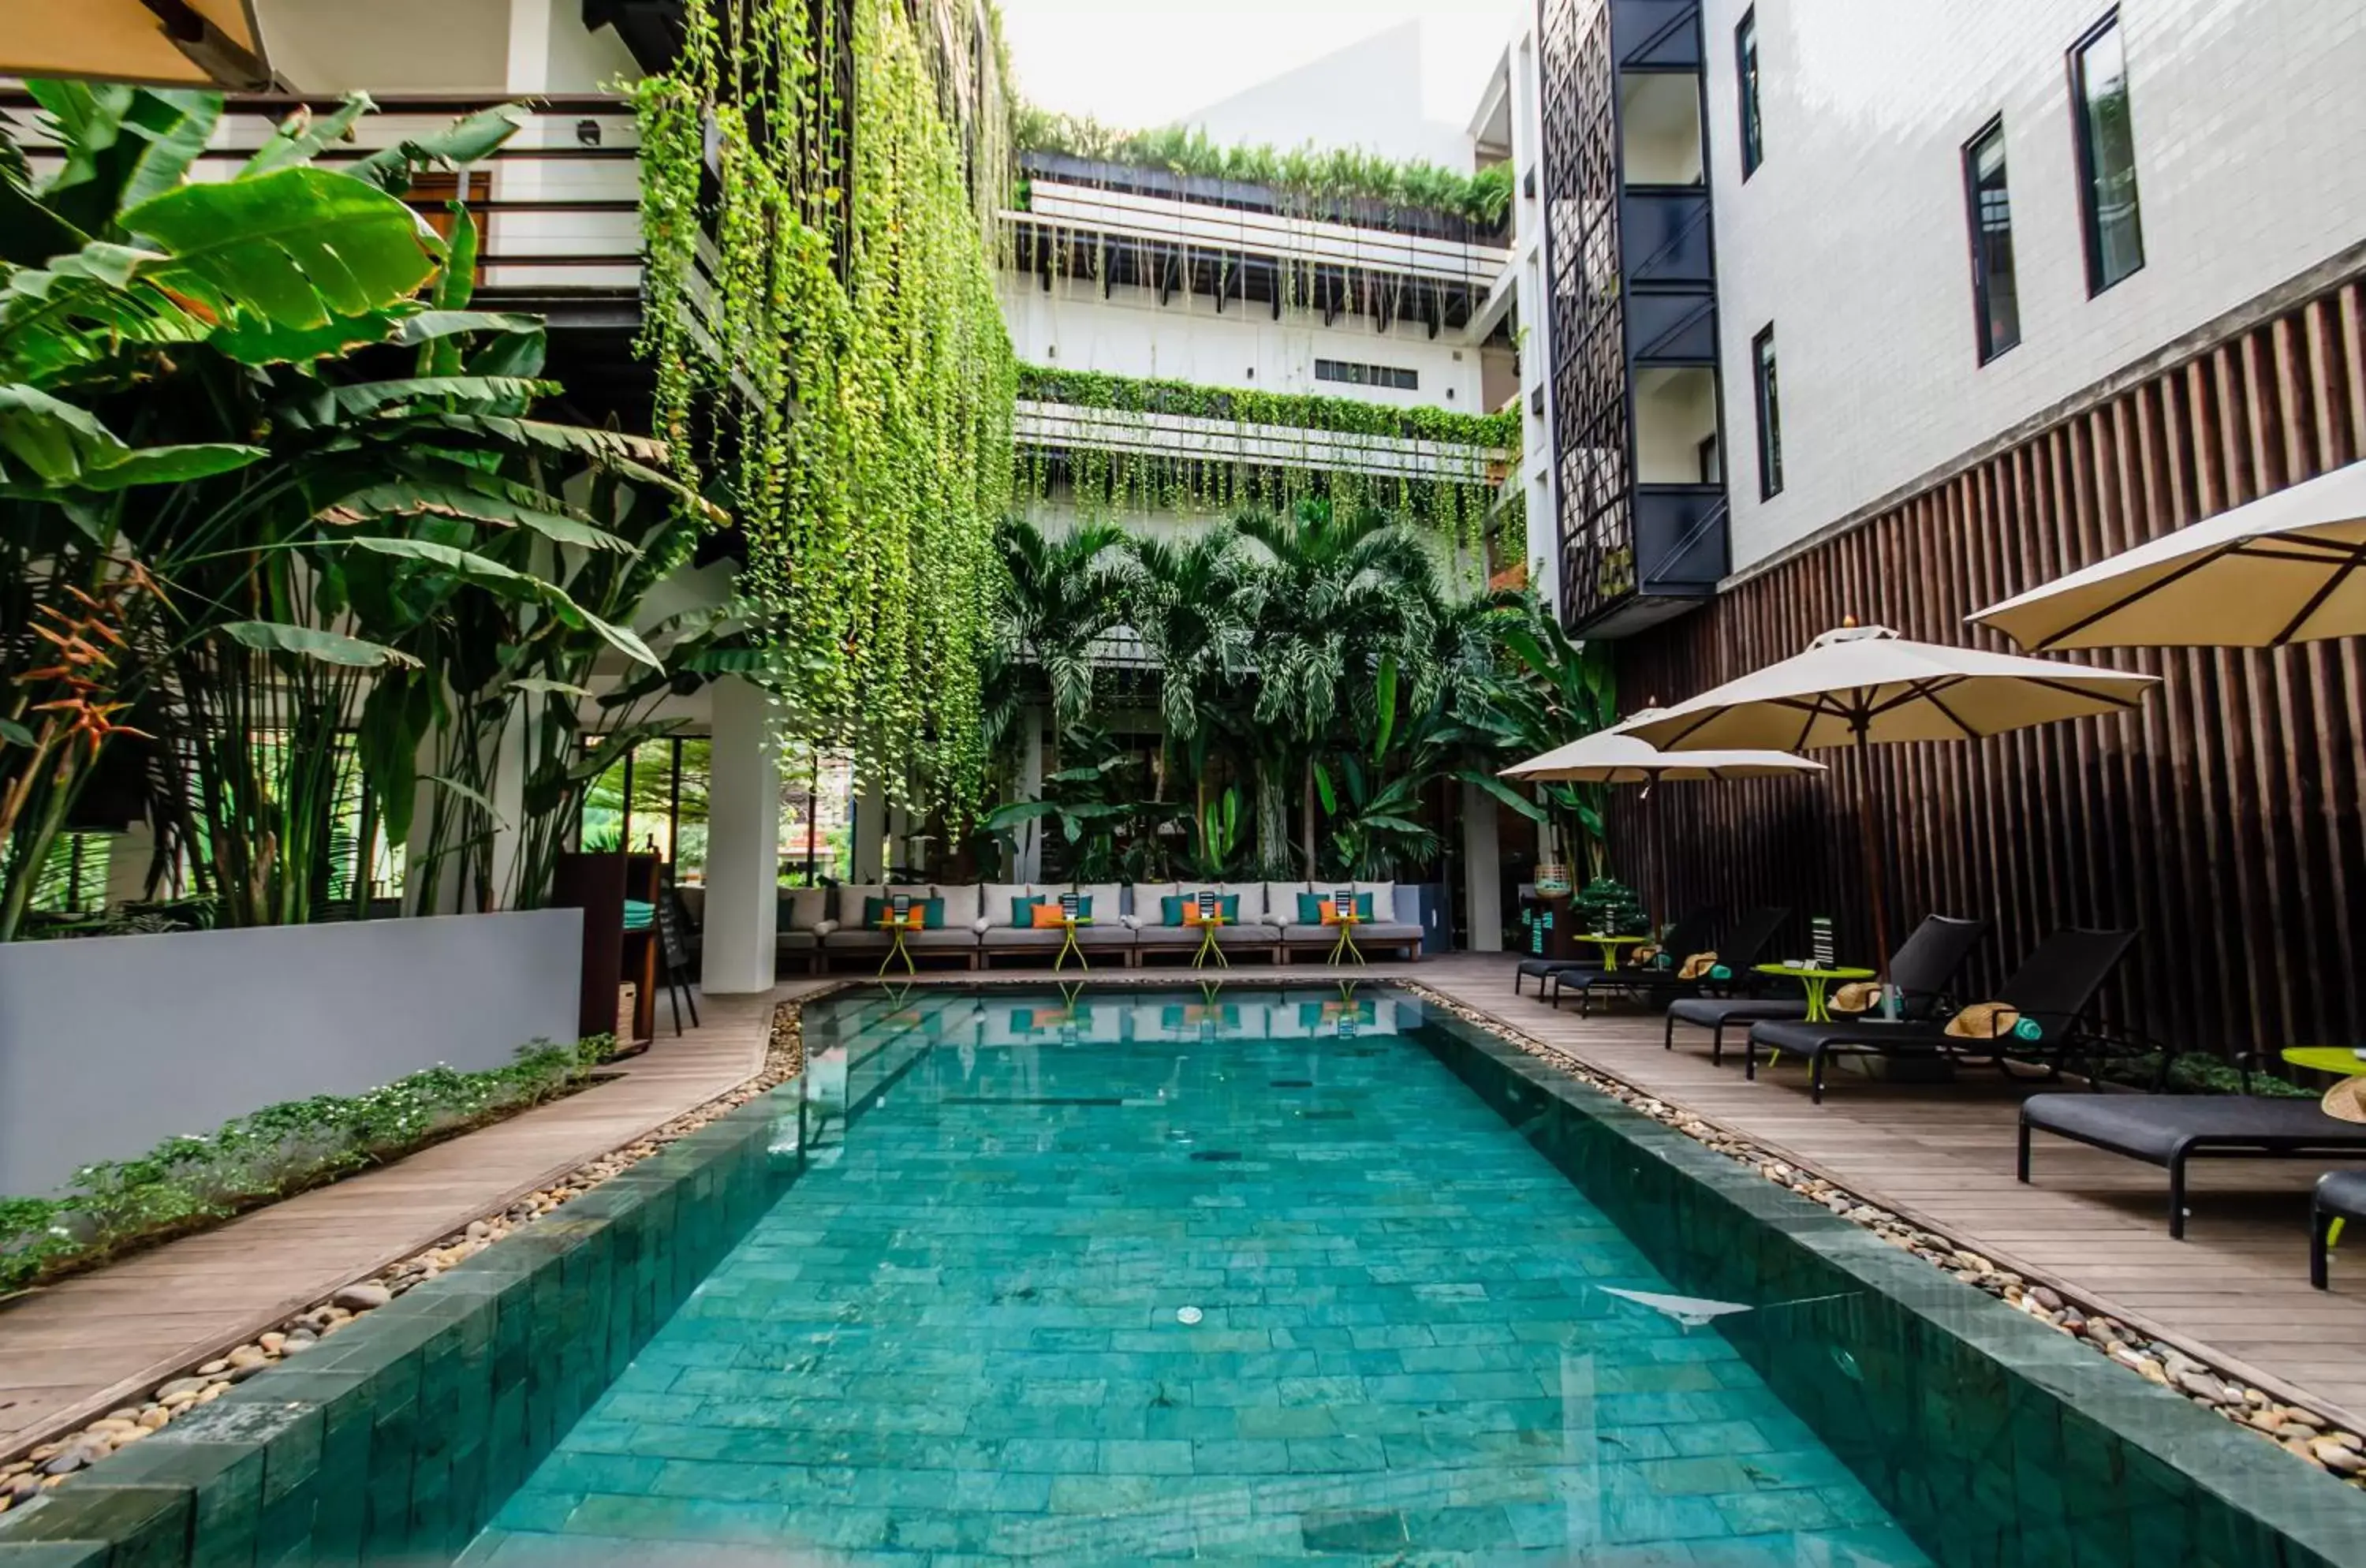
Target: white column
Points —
{"points": [[870, 832], [128, 857], [529, 53], [1031, 787], [743, 844], [1482, 870]]}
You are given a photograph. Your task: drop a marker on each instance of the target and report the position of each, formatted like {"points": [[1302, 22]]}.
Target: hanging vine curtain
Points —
{"points": [[846, 358]]}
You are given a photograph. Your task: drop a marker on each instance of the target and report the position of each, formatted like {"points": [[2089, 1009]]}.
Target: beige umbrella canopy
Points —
{"points": [[1611, 756], [169, 43], [1865, 685], [2282, 569]]}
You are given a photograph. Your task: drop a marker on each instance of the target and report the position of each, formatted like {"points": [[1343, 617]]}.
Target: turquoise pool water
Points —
{"points": [[1248, 1277]]}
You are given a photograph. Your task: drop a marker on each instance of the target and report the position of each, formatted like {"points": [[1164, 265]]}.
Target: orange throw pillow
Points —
{"points": [[1048, 916]]}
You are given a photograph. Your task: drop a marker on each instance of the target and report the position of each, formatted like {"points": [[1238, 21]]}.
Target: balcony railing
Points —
{"points": [[1068, 427], [556, 207]]}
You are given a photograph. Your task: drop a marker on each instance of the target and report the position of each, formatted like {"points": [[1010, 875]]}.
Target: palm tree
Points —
{"points": [[1060, 596], [1340, 598]]}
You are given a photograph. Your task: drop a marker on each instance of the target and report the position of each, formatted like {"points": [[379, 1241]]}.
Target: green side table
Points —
{"points": [[1816, 982]]}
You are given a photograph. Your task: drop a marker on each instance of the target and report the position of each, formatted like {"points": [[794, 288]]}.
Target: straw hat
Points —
{"points": [[2347, 1099]]}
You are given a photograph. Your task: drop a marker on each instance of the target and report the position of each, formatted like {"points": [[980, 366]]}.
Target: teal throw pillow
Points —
{"points": [[1022, 910]]}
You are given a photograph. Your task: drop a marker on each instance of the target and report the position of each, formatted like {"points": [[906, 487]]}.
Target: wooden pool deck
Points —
{"points": [[2236, 1291]]}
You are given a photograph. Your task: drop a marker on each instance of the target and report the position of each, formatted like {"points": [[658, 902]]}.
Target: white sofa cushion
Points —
{"points": [[1108, 900], [846, 901], [994, 901], [1147, 905], [961, 904], [809, 906], [1252, 897], [1282, 902], [1384, 901]]}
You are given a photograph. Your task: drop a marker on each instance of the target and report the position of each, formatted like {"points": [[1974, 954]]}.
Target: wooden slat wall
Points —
{"points": [[2222, 818]]}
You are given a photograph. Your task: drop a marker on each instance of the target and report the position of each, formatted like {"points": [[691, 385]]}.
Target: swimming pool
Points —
{"points": [[1111, 1275]]}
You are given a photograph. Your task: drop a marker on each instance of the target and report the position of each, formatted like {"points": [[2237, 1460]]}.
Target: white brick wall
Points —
{"points": [[2250, 138]]}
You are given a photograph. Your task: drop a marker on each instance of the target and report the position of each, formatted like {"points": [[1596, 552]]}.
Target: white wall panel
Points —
{"points": [[1851, 237]]}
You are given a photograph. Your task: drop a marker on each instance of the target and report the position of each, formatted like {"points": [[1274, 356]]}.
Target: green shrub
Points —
{"points": [[191, 1180]]}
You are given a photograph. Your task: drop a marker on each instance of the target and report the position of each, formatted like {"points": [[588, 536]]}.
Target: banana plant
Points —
{"points": [[291, 540], [1216, 848]]}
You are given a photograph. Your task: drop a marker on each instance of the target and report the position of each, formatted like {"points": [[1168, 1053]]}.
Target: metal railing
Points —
{"points": [[556, 207]]}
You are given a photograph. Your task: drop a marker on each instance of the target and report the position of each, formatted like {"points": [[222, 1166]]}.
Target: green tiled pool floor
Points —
{"points": [[957, 1338]]}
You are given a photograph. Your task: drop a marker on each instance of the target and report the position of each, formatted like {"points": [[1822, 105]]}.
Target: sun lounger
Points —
{"points": [[2054, 988], [1741, 945], [1923, 970], [2169, 1130]]}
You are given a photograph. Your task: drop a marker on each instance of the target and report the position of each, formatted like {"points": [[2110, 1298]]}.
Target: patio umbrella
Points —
{"points": [[169, 43], [1860, 686], [1611, 756], [2282, 569]]}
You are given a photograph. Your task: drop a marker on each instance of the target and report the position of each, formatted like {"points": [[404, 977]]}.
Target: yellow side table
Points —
{"points": [[1209, 947], [2338, 1059], [1609, 945], [1345, 948], [1068, 944], [896, 948]]}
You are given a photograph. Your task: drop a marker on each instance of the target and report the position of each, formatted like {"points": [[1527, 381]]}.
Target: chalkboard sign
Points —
{"points": [[1068, 907], [1206, 901], [1820, 941], [899, 906], [672, 941], [1343, 903]]}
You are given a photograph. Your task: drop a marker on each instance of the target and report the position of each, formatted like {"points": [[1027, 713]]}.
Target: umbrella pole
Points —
{"points": [[1873, 867]]}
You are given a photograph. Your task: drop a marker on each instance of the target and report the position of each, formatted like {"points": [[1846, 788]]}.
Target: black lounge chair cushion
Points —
{"points": [[2343, 1194], [1542, 966], [2158, 1127], [1869, 1034], [1715, 1012]]}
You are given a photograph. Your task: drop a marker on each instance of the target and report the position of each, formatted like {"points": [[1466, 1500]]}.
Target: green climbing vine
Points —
{"points": [[1110, 480], [1315, 175], [829, 351]]}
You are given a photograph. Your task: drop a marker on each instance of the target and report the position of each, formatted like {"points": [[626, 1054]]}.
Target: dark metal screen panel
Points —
{"points": [[1592, 441]]}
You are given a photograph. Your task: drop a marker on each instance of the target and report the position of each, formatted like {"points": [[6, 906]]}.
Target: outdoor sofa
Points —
{"points": [[2167, 1130], [825, 926]]}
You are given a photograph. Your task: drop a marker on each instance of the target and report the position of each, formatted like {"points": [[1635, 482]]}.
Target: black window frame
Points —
{"points": [[1983, 333], [1752, 116], [1766, 404], [2082, 138], [1363, 373]]}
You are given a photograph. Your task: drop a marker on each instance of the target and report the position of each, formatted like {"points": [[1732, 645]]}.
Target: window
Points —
{"points": [[1357, 375], [2107, 156], [1770, 415], [1995, 302], [1745, 61]]}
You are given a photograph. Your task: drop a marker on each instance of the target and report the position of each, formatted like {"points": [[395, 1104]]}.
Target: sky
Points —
{"points": [[1134, 63]]}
